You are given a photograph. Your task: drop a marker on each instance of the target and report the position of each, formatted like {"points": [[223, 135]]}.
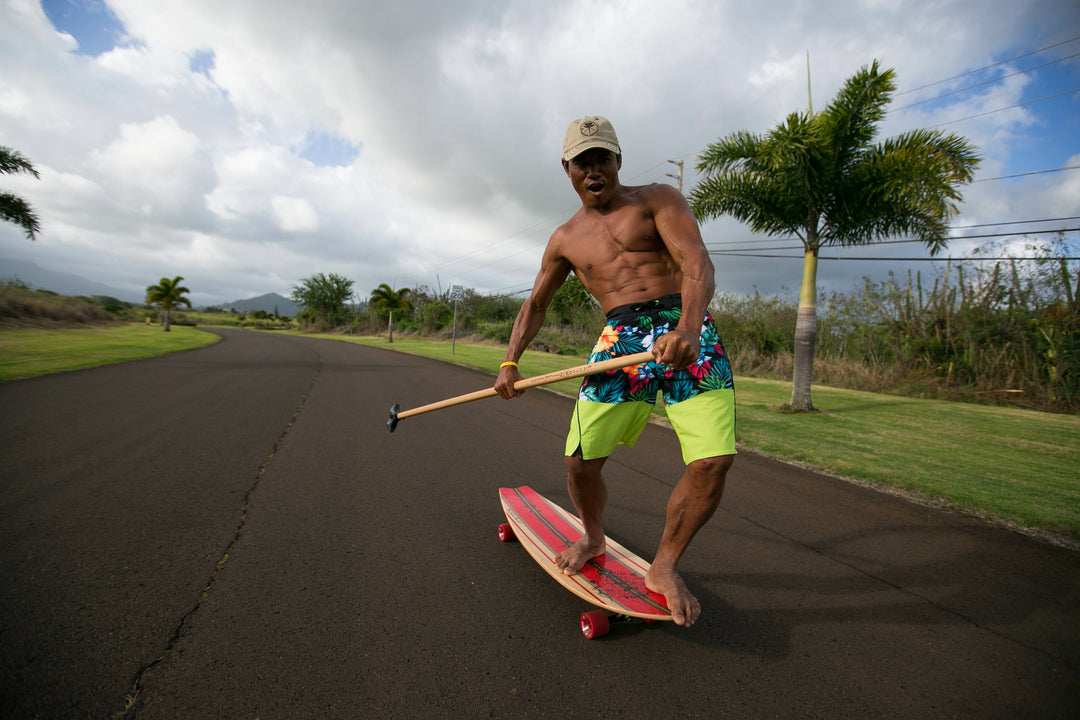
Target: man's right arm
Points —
{"points": [[554, 269]]}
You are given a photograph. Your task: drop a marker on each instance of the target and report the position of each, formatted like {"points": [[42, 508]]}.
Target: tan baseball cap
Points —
{"points": [[587, 133]]}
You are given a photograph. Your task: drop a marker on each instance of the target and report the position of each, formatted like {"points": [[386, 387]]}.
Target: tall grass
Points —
{"points": [[1005, 332], [22, 306], [1001, 332]]}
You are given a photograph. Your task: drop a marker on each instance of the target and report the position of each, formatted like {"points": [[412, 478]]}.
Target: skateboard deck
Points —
{"points": [[614, 581]]}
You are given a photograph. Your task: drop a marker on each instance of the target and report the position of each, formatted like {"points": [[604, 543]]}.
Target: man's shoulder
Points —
{"points": [[570, 223], [564, 234], [654, 192]]}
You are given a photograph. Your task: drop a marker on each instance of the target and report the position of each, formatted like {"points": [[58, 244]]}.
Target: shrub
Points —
{"points": [[21, 305]]}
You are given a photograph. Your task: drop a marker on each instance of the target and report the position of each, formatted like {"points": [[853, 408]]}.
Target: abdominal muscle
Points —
{"points": [[632, 278]]}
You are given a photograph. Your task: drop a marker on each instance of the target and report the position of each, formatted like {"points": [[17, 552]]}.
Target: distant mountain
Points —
{"points": [[39, 278], [61, 283], [270, 302]]}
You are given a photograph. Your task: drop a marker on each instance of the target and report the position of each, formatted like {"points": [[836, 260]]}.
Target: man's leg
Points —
{"points": [[585, 482], [692, 502]]}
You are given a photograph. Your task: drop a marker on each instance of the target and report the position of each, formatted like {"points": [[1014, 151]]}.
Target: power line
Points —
{"points": [[711, 246], [1015, 222], [1010, 107], [1033, 172], [511, 290], [985, 82], [520, 234], [896, 259], [987, 67]]}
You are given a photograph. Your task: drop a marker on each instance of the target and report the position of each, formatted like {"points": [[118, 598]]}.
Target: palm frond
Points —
{"points": [[16, 210], [905, 186], [851, 119], [13, 161]]}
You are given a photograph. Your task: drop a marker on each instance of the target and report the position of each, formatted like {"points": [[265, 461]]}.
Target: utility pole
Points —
{"points": [[456, 293], [679, 176]]}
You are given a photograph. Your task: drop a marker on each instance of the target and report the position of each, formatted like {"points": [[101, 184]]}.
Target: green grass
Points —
{"points": [[483, 357], [1017, 466], [1013, 465], [28, 352]]}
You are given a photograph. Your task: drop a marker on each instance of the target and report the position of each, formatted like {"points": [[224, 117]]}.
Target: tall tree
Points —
{"points": [[821, 177], [326, 295], [167, 293], [385, 300], [12, 207]]}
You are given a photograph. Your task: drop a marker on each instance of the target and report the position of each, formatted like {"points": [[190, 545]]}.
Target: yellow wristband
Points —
{"points": [[508, 363]]}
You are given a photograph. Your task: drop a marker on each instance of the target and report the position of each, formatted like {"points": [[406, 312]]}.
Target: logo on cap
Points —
{"points": [[589, 128]]}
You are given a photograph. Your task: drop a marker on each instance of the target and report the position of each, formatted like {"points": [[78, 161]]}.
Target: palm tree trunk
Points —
{"points": [[805, 336], [390, 328], [166, 319]]}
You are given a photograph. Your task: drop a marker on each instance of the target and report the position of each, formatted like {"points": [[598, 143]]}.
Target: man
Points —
{"points": [[639, 252]]}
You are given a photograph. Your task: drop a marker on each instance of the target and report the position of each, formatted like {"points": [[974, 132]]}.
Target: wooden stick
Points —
{"points": [[545, 379]]}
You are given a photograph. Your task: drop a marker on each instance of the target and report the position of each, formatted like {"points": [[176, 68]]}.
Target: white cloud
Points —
{"points": [[150, 168], [152, 156], [294, 214]]}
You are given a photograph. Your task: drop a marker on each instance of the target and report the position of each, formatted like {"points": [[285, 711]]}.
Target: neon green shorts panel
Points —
{"points": [[705, 425], [598, 428]]}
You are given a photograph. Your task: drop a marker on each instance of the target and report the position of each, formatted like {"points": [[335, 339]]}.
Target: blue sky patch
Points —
{"points": [[325, 150], [202, 61], [1056, 136], [90, 22]]}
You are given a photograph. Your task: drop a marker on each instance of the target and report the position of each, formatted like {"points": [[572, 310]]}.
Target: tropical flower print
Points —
{"points": [[641, 382], [700, 370], [608, 338]]}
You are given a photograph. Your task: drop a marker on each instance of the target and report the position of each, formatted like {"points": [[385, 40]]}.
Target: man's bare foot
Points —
{"points": [[684, 607], [574, 557]]}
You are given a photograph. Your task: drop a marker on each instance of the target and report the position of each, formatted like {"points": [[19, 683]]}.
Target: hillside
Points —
{"points": [[60, 283], [270, 302]]}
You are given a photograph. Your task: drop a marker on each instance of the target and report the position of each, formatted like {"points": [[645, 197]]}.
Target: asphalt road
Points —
{"points": [[233, 533]]}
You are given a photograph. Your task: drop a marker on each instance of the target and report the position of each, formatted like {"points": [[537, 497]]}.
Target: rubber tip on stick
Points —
{"points": [[393, 421]]}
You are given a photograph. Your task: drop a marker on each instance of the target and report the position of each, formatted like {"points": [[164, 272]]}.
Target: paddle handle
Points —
{"points": [[545, 379]]}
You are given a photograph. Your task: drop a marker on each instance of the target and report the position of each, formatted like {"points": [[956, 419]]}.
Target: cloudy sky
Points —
{"points": [[247, 144]]}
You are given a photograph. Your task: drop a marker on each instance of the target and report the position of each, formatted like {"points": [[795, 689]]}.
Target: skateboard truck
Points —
{"points": [[597, 623]]}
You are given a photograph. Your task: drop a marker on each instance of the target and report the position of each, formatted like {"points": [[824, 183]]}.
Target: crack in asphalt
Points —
{"points": [[131, 699]]}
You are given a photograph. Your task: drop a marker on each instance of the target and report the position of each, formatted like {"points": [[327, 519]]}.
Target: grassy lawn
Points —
{"points": [[28, 352], [1015, 465], [1019, 466]]}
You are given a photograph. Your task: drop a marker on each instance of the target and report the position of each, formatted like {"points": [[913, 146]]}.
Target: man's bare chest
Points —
{"points": [[613, 240]]}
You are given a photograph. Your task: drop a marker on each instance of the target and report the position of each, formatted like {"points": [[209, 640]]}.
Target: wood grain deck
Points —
{"points": [[614, 581]]}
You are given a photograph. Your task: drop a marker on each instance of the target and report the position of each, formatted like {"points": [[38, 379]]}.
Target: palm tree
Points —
{"points": [[384, 299], [12, 207], [822, 178], [167, 293]]}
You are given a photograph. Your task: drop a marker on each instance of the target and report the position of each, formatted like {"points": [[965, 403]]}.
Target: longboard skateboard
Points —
{"points": [[614, 581]]}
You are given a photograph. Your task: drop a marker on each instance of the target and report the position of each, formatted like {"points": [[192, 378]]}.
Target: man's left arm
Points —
{"points": [[680, 233]]}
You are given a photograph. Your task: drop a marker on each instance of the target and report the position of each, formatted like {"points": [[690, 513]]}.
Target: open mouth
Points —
{"points": [[595, 188]]}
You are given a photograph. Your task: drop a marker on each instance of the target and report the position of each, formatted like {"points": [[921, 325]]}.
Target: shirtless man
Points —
{"points": [[637, 250]]}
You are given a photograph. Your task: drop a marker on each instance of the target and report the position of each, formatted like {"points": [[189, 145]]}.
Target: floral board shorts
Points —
{"points": [[613, 407]]}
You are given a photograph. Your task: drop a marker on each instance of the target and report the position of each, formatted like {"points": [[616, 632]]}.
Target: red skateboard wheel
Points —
{"points": [[594, 624], [506, 533]]}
